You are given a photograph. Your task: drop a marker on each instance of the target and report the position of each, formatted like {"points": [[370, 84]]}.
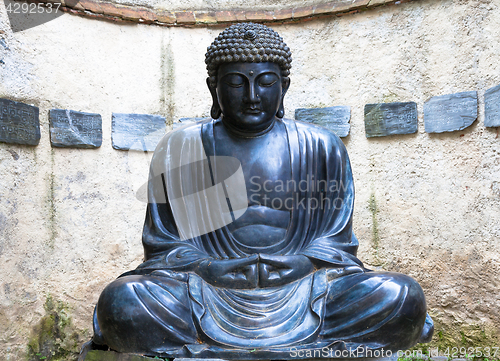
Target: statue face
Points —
{"points": [[249, 94]]}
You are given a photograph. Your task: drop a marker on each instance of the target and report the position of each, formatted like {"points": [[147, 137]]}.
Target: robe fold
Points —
{"points": [[287, 315], [186, 221]]}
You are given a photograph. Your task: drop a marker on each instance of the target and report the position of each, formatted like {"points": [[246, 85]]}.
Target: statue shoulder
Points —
{"points": [[191, 129], [319, 133], [189, 123]]}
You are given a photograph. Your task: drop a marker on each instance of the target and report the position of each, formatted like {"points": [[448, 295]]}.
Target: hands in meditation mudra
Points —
{"points": [[248, 242]]}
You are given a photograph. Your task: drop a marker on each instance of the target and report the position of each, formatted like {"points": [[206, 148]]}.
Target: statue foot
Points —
{"points": [[428, 330]]}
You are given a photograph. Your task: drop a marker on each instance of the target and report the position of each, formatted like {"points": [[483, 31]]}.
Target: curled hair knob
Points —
{"points": [[250, 35]]}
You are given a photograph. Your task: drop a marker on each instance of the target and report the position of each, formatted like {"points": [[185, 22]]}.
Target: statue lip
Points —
{"points": [[252, 110]]}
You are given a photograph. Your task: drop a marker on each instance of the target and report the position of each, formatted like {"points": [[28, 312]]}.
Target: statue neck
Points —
{"points": [[247, 132]]}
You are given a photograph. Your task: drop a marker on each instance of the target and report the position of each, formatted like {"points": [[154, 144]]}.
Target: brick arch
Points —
{"points": [[108, 10]]}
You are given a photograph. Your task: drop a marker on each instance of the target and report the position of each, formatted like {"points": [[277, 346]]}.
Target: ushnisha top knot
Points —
{"points": [[250, 35], [247, 42]]}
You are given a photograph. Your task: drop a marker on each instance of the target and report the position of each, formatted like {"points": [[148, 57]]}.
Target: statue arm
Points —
{"points": [[163, 248], [333, 244], [165, 252]]}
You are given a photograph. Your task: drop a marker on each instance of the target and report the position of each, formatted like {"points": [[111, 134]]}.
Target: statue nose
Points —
{"points": [[253, 96]]}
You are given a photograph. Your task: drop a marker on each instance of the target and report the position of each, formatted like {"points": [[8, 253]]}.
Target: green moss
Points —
{"points": [[51, 204], [464, 335], [390, 98], [460, 341], [167, 82], [372, 207], [52, 338], [375, 125]]}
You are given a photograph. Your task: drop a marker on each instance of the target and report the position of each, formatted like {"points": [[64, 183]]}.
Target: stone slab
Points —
{"points": [[334, 118], [198, 359], [382, 119], [137, 131], [19, 123], [72, 129], [450, 112], [184, 121], [98, 355], [492, 107]]}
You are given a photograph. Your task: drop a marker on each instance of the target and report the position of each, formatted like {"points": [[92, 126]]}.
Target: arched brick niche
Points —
{"points": [[217, 13]]}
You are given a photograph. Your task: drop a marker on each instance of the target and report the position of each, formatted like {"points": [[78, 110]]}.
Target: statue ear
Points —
{"points": [[215, 111], [285, 84]]}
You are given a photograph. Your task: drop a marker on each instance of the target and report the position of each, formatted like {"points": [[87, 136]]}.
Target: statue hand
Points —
{"points": [[280, 270], [230, 273]]}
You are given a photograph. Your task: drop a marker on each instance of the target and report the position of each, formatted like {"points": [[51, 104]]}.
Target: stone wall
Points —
{"points": [[427, 205]]}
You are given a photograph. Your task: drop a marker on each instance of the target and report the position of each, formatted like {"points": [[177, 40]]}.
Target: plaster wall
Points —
{"points": [[426, 205]]}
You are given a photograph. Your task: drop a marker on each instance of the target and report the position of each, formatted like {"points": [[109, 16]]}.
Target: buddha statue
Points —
{"points": [[248, 242]]}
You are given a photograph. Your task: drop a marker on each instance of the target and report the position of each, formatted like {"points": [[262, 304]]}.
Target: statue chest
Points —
{"points": [[266, 166], [265, 162]]}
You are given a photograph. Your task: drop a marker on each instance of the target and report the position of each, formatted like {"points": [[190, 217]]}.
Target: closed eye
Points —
{"points": [[268, 79], [234, 80]]}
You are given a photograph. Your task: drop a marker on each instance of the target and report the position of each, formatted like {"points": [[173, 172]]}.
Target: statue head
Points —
{"points": [[248, 66]]}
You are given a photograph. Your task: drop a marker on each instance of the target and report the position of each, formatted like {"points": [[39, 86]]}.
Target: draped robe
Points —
{"points": [[339, 305]]}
